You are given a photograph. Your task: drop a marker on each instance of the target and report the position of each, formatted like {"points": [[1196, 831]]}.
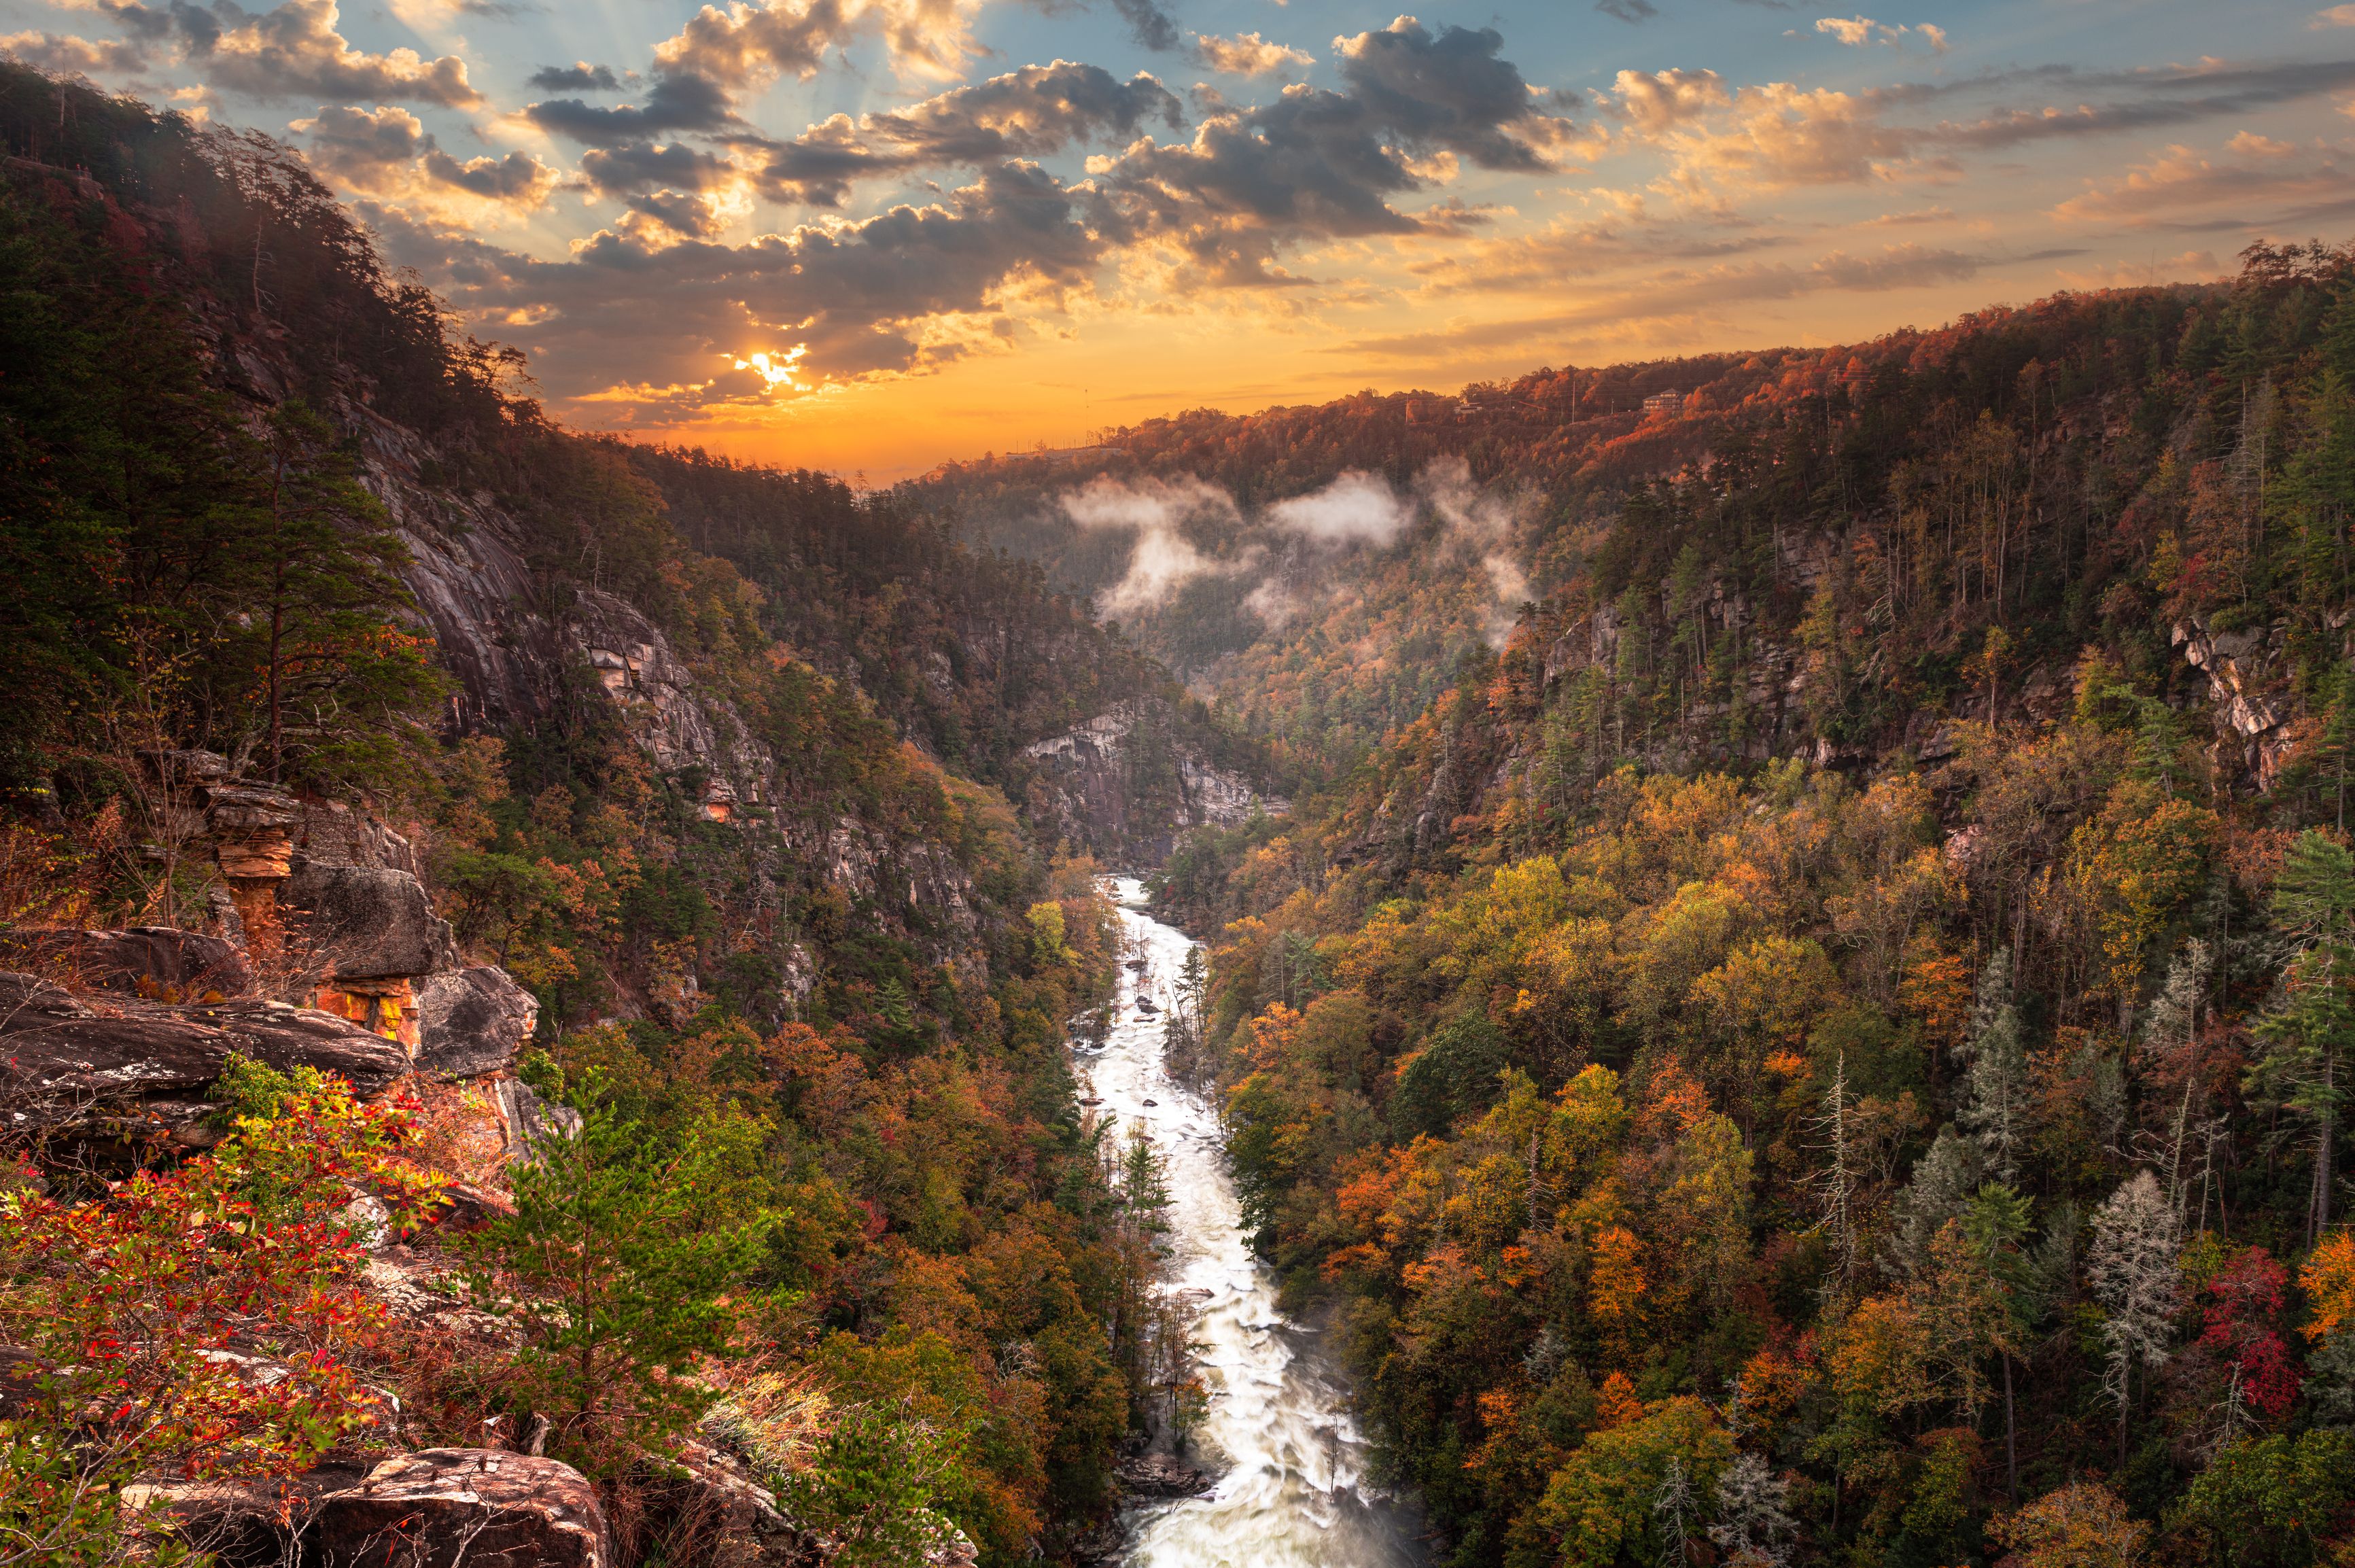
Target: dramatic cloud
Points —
{"points": [[857, 298], [679, 102], [1030, 112], [753, 44], [1247, 54], [68, 55], [387, 151], [1454, 91], [294, 51], [1314, 163], [643, 165], [354, 142]]}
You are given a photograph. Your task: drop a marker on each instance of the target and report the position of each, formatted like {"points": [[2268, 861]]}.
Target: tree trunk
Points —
{"points": [[2011, 1431], [2318, 1218], [2126, 1407]]}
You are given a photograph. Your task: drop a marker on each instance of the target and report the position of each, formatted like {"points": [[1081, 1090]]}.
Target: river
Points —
{"points": [[1278, 1431]]}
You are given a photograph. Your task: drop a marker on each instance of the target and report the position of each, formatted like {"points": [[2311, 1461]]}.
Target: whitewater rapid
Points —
{"points": [[1290, 1459]]}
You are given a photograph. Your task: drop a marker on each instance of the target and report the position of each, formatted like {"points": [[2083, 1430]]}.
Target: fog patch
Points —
{"points": [[1484, 523], [1164, 560], [1356, 508]]}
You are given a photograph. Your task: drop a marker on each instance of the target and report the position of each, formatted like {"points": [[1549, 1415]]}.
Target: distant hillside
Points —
{"points": [[2010, 439]]}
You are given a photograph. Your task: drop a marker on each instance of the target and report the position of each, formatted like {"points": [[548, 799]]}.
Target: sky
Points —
{"points": [[874, 235]]}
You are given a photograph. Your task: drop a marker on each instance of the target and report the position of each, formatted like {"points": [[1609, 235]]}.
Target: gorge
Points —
{"points": [[1291, 1486], [1730, 961]]}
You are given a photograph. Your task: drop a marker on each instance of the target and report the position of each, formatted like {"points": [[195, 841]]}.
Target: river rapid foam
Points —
{"points": [[1291, 1492]]}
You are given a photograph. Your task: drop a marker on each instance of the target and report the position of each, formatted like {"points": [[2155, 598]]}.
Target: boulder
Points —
{"points": [[368, 923], [703, 1506], [479, 1507], [529, 1118], [1162, 1476], [471, 1021], [63, 1058], [154, 960], [252, 831], [249, 1524], [335, 834]]}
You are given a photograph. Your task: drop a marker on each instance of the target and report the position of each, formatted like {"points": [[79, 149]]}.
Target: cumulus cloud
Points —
{"points": [[677, 102], [1029, 112], [292, 52], [69, 54], [1857, 32], [1247, 54], [1314, 163], [1149, 25], [1777, 133], [518, 179], [643, 165], [355, 143], [1651, 106], [750, 44], [578, 77], [1455, 91], [388, 150]]}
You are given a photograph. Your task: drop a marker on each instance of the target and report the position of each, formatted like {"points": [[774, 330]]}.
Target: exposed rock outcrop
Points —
{"points": [[1124, 784], [441, 1507], [82, 1061], [2248, 691], [471, 1021], [157, 962]]}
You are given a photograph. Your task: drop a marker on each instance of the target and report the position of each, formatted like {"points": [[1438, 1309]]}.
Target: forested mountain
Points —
{"points": [[1797, 1015], [311, 618], [1986, 473], [1828, 1042]]}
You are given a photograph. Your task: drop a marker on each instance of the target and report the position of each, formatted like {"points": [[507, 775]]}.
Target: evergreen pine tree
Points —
{"points": [[1995, 1108]]}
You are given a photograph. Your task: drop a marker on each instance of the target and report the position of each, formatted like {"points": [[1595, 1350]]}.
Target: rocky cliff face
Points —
{"points": [[1124, 787]]}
